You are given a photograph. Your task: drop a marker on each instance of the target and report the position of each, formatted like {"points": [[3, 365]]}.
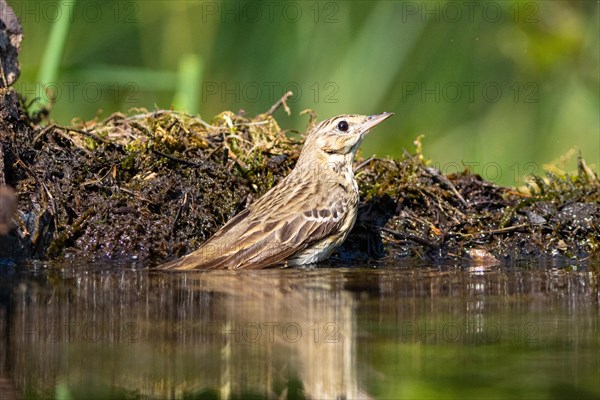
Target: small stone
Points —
{"points": [[482, 256], [534, 218]]}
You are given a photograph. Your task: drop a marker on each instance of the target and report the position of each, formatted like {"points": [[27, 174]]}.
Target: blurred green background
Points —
{"points": [[499, 87]]}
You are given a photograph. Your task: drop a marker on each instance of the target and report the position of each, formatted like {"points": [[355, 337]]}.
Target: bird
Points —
{"points": [[303, 218]]}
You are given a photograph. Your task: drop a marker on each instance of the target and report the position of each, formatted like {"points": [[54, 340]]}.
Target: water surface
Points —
{"points": [[451, 332]]}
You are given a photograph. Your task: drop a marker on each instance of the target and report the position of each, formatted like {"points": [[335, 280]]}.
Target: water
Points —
{"points": [[451, 332]]}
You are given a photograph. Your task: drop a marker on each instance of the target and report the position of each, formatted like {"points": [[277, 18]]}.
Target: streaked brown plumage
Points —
{"points": [[304, 217]]}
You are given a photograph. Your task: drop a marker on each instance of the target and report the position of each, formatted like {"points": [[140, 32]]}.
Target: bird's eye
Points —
{"points": [[342, 126]]}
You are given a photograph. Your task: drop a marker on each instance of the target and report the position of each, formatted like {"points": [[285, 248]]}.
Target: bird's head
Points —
{"points": [[339, 138]]}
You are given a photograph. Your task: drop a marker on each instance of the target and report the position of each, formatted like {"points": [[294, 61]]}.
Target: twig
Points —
{"points": [[408, 236], [136, 195], [251, 123], [114, 117], [90, 135], [490, 232], [156, 113], [213, 151], [46, 191], [2, 177], [141, 128], [42, 133], [73, 141], [181, 205], [279, 103], [433, 172], [363, 164], [230, 154], [2, 75], [503, 230], [312, 118], [98, 180], [28, 170], [172, 124], [173, 158], [54, 210]]}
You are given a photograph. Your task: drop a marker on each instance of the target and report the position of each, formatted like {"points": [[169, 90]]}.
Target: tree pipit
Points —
{"points": [[303, 218]]}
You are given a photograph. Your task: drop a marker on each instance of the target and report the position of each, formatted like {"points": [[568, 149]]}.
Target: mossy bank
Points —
{"points": [[152, 185]]}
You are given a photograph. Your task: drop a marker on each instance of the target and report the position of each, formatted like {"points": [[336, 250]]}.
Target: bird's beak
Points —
{"points": [[376, 119]]}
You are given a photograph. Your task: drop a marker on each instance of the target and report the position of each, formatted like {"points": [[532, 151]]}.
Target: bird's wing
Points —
{"points": [[277, 226]]}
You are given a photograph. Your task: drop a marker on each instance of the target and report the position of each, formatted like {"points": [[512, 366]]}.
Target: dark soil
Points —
{"points": [[152, 186]]}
